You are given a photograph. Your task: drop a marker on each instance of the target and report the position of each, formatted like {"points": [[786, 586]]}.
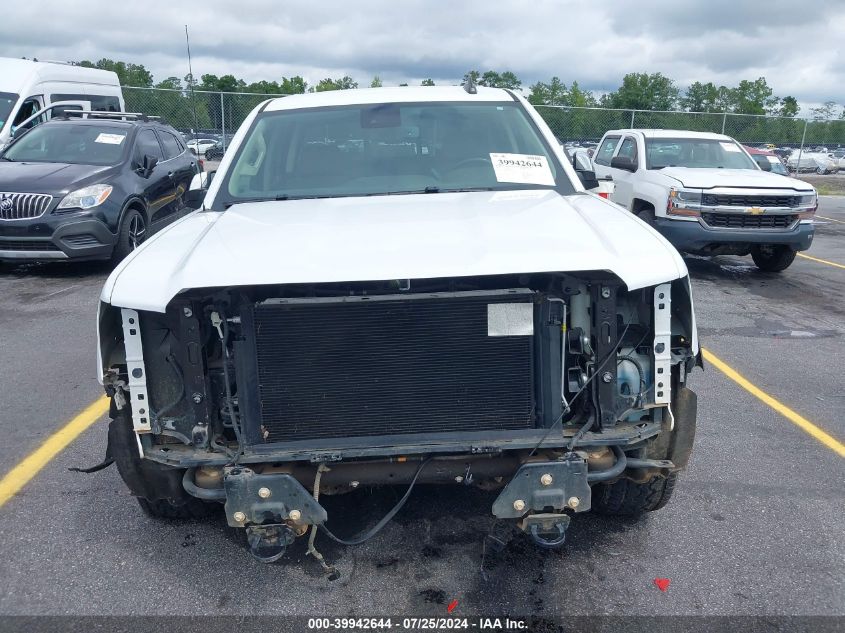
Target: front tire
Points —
{"points": [[627, 498], [772, 258], [131, 234], [157, 488]]}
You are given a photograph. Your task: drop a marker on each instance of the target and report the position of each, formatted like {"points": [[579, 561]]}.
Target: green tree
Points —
{"points": [[752, 97], [494, 79], [786, 107], [132, 75], [641, 91], [580, 98], [701, 97], [427, 82], [294, 86], [344, 83], [376, 82], [827, 110], [471, 74], [171, 83], [552, 93]]}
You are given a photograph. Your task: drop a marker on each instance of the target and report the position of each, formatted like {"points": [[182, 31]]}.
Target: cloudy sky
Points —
{"points": [[798, 45]]}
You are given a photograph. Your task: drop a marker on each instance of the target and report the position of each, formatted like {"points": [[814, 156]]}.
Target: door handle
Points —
{"points": [[170, 174]]}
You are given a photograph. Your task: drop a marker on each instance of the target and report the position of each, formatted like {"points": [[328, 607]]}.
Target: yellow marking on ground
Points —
{"points": [[821, 261], [798, 420], [821, 217], [21, 474]]}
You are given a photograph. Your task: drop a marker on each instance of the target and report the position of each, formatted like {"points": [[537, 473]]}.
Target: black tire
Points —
{"points": [[166, 509], [626, 498], [646, 214], [772, 258], [131, 234], [157, 488]]}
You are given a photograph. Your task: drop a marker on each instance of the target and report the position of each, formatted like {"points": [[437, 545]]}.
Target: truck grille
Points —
{"points": [[23, 206], [719, 200], [743, 221], [407, 365]]}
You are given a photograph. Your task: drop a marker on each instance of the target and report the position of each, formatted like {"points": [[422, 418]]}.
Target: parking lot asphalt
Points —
{"points": [[755, 526]]}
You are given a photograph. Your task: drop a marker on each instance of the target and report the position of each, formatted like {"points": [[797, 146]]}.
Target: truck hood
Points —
{"points": [[743, 178], [392, 237]]}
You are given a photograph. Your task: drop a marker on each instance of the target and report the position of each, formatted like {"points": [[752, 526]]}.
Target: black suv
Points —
{"points": [[90, 188]]}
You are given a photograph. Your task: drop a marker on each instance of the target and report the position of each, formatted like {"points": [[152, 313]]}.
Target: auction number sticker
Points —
{"points": [[524, 169], [729, 147], [110, 139]]}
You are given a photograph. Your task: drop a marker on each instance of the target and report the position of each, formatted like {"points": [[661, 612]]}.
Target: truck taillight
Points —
{"points": [[604, 194]]}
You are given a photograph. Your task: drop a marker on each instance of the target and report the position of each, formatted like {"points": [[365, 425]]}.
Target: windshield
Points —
{"points": [[7, 102], [390, 148], [77, 144], [695, 153]]}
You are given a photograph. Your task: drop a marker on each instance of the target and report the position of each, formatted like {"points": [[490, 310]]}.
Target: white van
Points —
{"points": [[28, 86]]}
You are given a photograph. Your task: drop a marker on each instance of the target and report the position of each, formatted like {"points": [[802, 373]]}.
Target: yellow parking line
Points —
{"points": [[801, 422], [21, 474], [821, 217], [821, 261]]}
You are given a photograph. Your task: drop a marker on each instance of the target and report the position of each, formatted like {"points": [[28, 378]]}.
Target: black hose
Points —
{"points": [[613, 471], [206, 494], [387, 517]]}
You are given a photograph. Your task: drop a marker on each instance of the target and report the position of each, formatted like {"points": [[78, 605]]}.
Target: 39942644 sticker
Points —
{"points": [[524, 169], [729, 147]]}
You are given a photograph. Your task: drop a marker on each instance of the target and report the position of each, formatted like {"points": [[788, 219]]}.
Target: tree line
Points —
{"points": [[638, 91]]}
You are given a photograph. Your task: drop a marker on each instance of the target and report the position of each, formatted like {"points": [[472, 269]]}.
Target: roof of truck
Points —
{"points": [[401, 94], [672, 134], [15, 72]]}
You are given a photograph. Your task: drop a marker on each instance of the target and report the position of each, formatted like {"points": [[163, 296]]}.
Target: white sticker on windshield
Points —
{"points": [[729, 147], [522, 168], [110, 139], [774, 160]]}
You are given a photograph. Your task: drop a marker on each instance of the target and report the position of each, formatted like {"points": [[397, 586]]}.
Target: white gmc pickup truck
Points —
{"points": [[707, 196]]}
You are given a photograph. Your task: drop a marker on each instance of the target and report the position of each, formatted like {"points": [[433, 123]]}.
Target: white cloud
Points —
{"points": [[798, 50]]}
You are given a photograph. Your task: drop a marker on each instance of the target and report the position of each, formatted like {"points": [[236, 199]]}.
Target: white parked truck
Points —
{"points": [[707, 196], [398, 286]]}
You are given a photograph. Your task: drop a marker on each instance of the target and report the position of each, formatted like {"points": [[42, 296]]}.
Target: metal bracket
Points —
{"points": [[139, 400], [253, 498], [540, 485], [662, 344]]}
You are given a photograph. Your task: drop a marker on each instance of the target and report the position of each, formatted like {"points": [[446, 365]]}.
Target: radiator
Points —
{"points": [[393, 365]]}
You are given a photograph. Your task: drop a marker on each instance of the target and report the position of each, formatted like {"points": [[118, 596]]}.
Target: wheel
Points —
{"points": [[626, 498], [158, 488], [647, 215], [772, 258], [166, 509], [130, 235], [820, 170]]}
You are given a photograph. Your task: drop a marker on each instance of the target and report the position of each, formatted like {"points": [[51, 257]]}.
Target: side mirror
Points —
{"points": [[209, 177], [588, 178], [19, 131], [623, 162], [765, 165], [194, 197], [148, 163]]}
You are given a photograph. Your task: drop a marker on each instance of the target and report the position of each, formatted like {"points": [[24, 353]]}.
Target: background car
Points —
{"points": [[768, 161], [90, 188], [199, 145], [216, 151], [818, 162]]}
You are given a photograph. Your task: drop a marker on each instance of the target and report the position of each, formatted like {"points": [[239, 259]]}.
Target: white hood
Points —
{"points": [[744, 178], [392, 237]]}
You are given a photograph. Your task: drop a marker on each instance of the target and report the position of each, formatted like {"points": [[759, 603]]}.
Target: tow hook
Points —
{"points": [[547, 530], [267, 543]]}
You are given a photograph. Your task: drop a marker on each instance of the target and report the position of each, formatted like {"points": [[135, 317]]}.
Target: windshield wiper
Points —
{"points": [[7, 159], [248, 200]]}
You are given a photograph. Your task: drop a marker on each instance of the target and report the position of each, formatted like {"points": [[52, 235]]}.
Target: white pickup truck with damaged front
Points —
{"points": [[398, 286], [707, 196]]}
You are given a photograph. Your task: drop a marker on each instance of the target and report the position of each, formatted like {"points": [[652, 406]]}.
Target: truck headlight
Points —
{"points": [[684, 203], [85, 198], [808, 204], [807, 200]]}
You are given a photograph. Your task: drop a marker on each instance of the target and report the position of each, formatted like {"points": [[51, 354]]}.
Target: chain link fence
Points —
{"points": [[589, 124], [200, 113]]}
